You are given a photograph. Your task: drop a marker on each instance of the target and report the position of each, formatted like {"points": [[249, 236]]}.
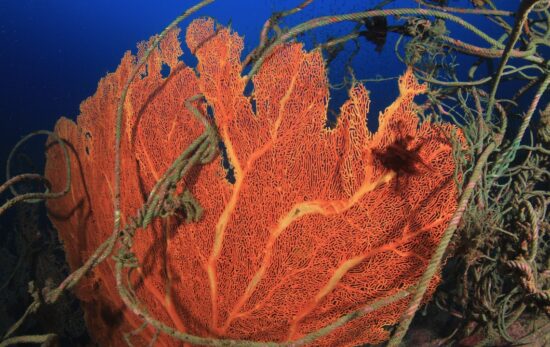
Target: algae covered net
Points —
{"points": [[227, 203]]}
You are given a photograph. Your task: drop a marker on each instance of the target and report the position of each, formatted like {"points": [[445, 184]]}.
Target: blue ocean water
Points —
{"points": [[53, 52]]}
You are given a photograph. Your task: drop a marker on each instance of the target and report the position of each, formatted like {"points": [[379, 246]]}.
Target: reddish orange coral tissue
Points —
{"points": [[318, 223]]}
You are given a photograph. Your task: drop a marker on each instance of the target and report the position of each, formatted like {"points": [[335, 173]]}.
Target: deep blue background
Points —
{"points": [[53, 52]]}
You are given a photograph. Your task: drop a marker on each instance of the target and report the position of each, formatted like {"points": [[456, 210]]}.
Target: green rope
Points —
{"points": [[120, 108], [106, 248], [435, 261], [477, 173], [34, 197], [508, 156], [478, 11], [476, 82], [43, 340], [198, 340], [322, 21], [525, 7]]}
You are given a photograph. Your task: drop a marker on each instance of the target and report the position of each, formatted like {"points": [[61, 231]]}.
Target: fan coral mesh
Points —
{"points": [[317, 223]]}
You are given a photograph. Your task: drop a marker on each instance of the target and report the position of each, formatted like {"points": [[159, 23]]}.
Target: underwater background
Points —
{"points": [[54, 52]]}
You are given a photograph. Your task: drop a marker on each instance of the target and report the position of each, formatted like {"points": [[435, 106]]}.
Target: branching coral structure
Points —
{"points": [[317, 223]]}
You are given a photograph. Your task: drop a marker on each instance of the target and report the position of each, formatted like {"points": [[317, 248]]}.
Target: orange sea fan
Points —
{"points": [[318, 222]]}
